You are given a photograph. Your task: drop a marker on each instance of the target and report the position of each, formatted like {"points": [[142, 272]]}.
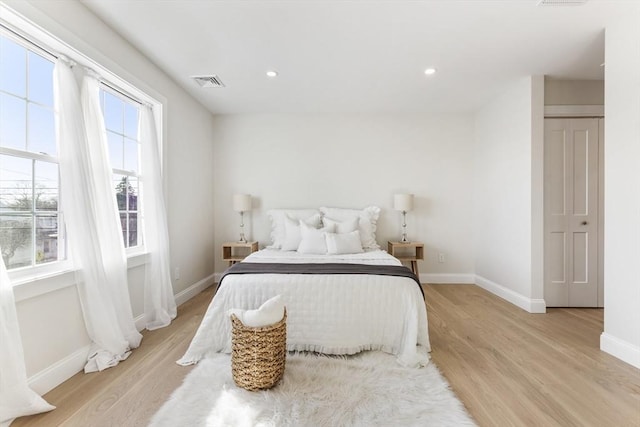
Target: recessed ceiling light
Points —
{"points": [[430, 71], [272, 73]]}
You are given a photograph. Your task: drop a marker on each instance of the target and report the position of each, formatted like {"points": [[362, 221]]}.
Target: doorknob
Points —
{"points": [[584, 223]]}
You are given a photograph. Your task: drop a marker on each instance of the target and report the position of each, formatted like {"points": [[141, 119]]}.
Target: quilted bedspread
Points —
{"points": [[331, 314]]}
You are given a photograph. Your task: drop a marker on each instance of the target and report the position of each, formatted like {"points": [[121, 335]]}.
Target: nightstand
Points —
{"points": [[407, 251], [237, 251]]}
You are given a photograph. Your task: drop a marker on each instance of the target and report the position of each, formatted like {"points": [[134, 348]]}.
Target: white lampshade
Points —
{"points": [[242, 202], [403, 202]]}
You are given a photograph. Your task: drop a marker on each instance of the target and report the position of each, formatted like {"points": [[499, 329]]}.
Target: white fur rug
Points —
{"points": [[369, 389]]}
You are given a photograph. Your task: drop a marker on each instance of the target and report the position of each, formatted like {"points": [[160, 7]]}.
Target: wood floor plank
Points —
{"points": [[509, 367], [528, 369]]}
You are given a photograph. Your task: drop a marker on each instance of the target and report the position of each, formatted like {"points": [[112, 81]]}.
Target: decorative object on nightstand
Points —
{"points": [[237, 251], [403, 203], [242, 204], [407, 251]]}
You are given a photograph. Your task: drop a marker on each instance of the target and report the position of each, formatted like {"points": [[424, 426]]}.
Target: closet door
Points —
{"points": [[571, 212]]}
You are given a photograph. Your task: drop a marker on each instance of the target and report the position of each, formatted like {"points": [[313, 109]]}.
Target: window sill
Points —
{"points": [[31, 286]]}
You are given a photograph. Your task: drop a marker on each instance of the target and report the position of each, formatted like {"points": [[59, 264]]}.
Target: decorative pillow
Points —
{"points": [[292, 234], [343, 243], [367, 223], [277, 217], [272, 311], [346, 226], [313, 240]]}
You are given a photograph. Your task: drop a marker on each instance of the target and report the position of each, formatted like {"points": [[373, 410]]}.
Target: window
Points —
{"points": [[121, 117], [29, 183]]}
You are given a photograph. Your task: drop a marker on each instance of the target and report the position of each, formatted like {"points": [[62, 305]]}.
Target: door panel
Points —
{"points": [[571, 212]]}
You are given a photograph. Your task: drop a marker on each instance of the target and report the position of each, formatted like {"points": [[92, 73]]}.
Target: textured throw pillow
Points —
{"points": [[272, 311], [343, 243], [313, 240], [345, 226], [368, 218], [277, 217]]}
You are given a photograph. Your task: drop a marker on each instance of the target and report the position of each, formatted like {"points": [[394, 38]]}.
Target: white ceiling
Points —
{"points": [[362, 56]]}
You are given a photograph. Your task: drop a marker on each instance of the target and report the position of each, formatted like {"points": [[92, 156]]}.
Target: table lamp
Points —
{"points": [[242, 203], [403, 203]]}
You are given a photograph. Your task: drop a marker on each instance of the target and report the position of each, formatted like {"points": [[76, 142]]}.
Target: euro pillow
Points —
{"points": [[343, 243], [270, 312], [277, 217], [345, 226], [312, 239], [367, 223]]}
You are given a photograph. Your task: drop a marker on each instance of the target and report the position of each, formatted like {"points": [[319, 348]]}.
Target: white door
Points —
{"points": [[571, 212]]}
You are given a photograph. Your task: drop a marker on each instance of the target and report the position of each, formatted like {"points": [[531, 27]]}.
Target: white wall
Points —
{"points": [[51, 323], [502, 189], [352, 160], [573, 92], [621, 335]]}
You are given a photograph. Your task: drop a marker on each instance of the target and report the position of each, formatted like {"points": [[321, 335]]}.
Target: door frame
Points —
{"points": [[587, 112]]}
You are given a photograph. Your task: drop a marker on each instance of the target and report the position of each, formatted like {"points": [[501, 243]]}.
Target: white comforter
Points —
{"points": [[331, 314]]}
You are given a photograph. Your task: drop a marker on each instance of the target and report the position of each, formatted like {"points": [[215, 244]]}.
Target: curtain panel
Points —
{"points": [[16, 398], [93, 232], [159, 301]]}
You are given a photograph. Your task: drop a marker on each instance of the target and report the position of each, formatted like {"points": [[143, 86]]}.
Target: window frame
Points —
{"points": [[33, 213], [33, 281], [127, 99]]}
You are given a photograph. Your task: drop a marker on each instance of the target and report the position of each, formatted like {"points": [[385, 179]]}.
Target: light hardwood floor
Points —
{"points": [[509, 367]]}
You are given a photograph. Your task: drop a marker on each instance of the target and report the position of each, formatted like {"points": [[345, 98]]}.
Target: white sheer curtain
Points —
{"points": [[94, 235], [16, 398], [159, 302]]}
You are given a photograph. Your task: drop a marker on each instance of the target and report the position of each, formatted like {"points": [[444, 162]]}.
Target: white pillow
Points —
{"points": [[292, 234], [272, 311], [313, 240], [346, 226], [277, 217], [368, 218], [343, 243]]}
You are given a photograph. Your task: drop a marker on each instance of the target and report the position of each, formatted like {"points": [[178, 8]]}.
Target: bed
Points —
{"points": [[333, 313]]}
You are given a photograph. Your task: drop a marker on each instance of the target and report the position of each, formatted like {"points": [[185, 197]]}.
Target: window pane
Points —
{"points": [[113, 113], [120, 185], [132, 193], [131, 121], [15, 240], [133, 229], [13, 122], [42, 131], [123, 223], [46, 181], [46, 238], [15, 184], [130, 155], [13, 67], [40, 79], [116, 147]]}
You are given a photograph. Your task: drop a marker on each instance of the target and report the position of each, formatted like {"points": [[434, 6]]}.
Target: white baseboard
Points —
{"points": [[525, 303], [54, 375], [195, 289], [621, 349], [448, 278], [140, 323]]}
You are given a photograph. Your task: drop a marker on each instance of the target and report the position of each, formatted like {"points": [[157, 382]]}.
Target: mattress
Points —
{"points": [[327, 313]]}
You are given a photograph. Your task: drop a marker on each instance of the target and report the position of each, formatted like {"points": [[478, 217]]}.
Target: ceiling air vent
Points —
{"points": [[561, 2], [208, 81]]}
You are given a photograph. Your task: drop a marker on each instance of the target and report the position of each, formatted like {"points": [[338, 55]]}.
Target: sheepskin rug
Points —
{"points": [[368, 389]]}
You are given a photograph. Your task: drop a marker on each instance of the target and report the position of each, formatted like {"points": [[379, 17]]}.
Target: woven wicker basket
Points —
{"points": [[258, 354]]}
